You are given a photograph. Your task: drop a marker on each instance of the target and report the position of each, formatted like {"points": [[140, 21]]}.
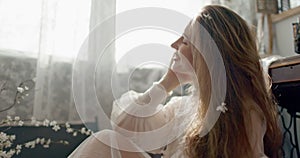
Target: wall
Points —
{"points": [[283, 36]]}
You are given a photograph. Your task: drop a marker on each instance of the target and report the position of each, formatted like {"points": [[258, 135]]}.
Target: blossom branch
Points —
{"points": [[22, 91]]}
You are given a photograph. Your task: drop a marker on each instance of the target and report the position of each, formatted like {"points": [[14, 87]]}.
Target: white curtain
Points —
{"points": [[63, 27], [40, 39], [93, 67]]}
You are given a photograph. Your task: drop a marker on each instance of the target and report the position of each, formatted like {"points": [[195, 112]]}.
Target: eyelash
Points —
{"points": [[184, 42]]}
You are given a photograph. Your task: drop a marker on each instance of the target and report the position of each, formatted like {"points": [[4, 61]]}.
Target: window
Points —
{"points": [[138, 45], [56, 27]]}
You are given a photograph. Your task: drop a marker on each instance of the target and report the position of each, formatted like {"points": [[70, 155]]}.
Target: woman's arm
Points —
{"points": [[169, 81]]}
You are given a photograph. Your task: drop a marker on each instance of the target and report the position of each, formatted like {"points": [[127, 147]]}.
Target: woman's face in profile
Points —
{"points": [[183, 46], [182, 60]]}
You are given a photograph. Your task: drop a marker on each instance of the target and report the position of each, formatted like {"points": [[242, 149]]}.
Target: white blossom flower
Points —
{"points": [[11, 152], [32, 145], [64, 142], [46, 122], [26, 88], [75, 134], [222, 107], [67, 125], [3, 137], [12, 137], [18, 152], [48, 141], [17, 118], [19, 147], [27, 145], [53, 123], [3, 154], [37, 140], [88, 132], [20, 89], [7, 144], [82, 131], [56, 128], [42, 141], [69, 130], [207, 16], [21, 123], [6, 141], [37, 124], [8, 118], [46, 146]]}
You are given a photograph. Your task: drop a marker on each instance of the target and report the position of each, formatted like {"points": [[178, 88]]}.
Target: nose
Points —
{"points": [[175, 45]]}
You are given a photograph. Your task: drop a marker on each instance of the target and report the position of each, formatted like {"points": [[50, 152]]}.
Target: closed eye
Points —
{"points": [[185, 41]]}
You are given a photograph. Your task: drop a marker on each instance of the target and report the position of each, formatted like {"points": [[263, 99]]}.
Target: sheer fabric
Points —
{"points": [[126, 139], [139, 130]]}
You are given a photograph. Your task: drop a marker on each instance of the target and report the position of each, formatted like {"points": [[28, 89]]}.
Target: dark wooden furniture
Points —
{"points": [[285, 74]]}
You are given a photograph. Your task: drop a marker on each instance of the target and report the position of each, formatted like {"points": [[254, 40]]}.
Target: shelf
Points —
{"points": [[286, 14]]}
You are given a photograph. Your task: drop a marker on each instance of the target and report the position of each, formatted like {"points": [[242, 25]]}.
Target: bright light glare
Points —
{"points": [[146, 36], [137, 38]]}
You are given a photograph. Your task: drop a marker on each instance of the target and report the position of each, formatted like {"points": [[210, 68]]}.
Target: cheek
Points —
{"points": [[187, 52], [188, 55]]}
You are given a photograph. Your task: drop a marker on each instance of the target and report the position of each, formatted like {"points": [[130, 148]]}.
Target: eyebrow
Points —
{"points": [[184, 36]]}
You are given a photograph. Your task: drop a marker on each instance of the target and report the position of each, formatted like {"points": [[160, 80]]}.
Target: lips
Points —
{"points": [[181, 67], [176, 56]]}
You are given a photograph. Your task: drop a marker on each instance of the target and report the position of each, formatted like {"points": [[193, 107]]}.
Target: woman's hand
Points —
{"points": [[169, 81]]}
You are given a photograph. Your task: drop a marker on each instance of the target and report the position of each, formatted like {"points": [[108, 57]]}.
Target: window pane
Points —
{"points": [[139, 38], [20, 25], [54, 27], [72, 20]]}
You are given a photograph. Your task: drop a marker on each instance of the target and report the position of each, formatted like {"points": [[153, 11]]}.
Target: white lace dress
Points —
{"points": [[154, 128]]}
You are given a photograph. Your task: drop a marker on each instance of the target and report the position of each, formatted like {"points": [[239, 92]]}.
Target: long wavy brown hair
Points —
{"points": [[246, 91]]}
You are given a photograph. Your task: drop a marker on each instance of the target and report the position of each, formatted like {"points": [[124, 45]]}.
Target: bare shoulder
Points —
{"points": [[255, 116]]}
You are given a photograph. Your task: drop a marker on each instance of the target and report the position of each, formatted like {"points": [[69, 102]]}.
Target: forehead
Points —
{"points": [[192, 33], [189, 29]]}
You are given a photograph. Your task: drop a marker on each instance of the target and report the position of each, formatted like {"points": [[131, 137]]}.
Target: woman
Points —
{"points": [[229, 112]]}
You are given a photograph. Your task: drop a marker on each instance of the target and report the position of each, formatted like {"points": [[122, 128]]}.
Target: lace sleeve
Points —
{"points": [[142, 114], [139, 105]]}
